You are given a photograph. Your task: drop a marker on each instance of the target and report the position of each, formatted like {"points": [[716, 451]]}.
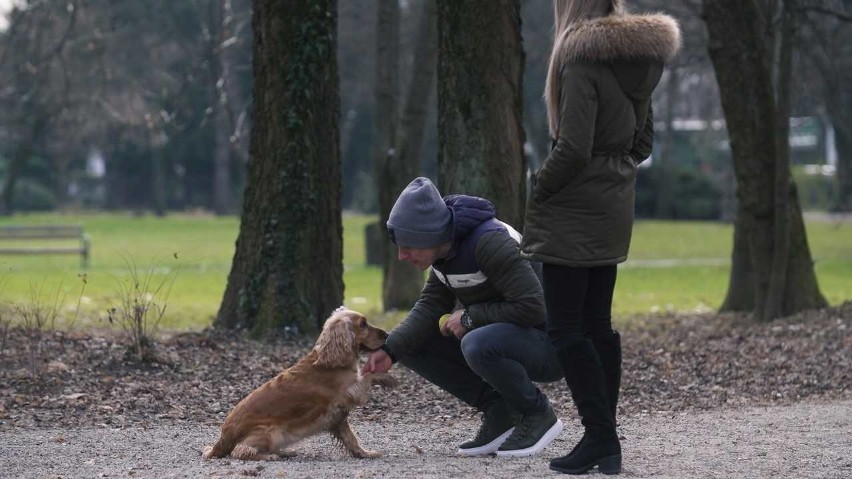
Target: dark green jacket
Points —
{"points": [[580, 212]]}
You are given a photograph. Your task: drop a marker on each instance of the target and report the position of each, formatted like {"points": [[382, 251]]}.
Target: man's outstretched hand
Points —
{"points": [[377, 362]]}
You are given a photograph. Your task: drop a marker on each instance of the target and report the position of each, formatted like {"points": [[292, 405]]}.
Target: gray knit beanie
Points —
{"points": [[420, 218]]}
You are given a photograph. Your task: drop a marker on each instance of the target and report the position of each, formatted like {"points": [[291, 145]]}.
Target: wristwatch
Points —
{"points": [[466, 321]]}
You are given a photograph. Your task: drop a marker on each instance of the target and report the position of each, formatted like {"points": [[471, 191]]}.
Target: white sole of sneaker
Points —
{"points": [[489, 448], [546, 439]]}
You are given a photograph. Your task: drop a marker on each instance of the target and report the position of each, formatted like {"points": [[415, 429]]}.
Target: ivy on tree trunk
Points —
{"points": [[288, 265]]}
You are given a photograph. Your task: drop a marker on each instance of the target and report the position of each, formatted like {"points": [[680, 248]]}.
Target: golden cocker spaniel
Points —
{"points": [[313, 396]]}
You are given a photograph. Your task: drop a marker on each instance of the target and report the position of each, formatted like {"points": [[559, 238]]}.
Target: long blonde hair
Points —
{"points": [[565, 14]]}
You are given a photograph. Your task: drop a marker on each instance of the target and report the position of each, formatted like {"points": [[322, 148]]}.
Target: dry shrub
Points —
{"points": [[142, 304], [36, 317]]}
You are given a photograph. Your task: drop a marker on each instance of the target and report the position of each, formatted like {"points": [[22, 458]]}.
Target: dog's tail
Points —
{"points": [[222, 448]]}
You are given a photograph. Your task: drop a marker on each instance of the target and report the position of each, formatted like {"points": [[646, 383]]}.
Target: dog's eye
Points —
{"points": [[363, 324]]}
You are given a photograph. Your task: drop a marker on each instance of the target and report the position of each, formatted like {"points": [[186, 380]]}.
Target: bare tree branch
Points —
{"points": [[839, 15], [57, 49]]}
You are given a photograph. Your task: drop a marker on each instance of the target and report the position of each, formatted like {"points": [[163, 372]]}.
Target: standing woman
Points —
{"points": [[603, 69]]}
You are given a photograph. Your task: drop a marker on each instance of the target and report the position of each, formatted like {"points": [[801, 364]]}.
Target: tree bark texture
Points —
{"points": [[741, 61], [385, 121], [781, 237], [741, 286], [480, 103], [288, 265], [397, 163]]}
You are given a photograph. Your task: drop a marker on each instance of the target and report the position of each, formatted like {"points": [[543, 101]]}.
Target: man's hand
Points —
{"points": [[377, 362], [453, 325]]}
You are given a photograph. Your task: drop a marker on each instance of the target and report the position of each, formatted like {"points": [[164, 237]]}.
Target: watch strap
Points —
{"points": [[466, 320]]}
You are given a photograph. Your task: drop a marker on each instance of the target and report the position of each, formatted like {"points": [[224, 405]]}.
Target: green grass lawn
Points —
{"points": [[197, 250], [673, 266]]}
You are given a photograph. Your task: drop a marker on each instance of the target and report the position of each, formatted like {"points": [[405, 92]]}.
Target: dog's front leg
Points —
{"points": [[343, 433]]}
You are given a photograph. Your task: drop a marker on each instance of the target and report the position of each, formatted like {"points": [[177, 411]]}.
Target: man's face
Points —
{"points": [[422, 258]]}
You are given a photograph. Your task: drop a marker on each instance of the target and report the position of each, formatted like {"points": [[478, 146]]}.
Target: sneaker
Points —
{"points": [[497, 424], [532, 434]]}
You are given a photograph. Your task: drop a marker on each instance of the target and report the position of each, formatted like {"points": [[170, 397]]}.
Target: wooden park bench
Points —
{"points": [[26, 234]]}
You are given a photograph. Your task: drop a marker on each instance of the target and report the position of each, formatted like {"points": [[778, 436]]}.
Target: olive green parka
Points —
{"points": [[580, 212]]}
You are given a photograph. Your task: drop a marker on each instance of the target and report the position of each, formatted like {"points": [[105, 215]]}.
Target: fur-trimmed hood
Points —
{"points": [[623, 37]]}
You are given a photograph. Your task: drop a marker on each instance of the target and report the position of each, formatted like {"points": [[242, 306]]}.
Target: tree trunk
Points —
{"points": [[239, 33], [664, 209], [741, 293], [20, 156], [402, 282], [385, 119], [480, 74], [843, 141], [741, 61], [288, 265], [221, 158], [829, 54], [838, 100], [781, 234], [158, 175], [60, 172], [13, 172], [221, 201]]}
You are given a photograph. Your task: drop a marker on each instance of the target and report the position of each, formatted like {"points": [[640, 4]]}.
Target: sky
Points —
{"points": [[5, 6]]}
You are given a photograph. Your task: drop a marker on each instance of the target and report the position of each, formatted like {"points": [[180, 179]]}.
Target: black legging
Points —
{"points": [[579, 301]]}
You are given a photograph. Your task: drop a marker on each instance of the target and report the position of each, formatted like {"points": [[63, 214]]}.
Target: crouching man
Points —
{"points": [[492, 347]]}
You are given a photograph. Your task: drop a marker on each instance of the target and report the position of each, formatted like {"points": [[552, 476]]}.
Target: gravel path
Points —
{"points": [[703, 395], [804, 440]]}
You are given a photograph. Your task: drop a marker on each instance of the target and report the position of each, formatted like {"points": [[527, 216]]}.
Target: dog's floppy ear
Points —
{"points": [[336, 344]]}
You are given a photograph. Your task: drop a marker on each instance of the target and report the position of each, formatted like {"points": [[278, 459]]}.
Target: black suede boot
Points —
{"points": [[585, 377], [608, 346], [598, 448]]}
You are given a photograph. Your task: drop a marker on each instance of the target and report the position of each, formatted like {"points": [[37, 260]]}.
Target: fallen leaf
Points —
{"points": [[72, 397], [56, 366]]}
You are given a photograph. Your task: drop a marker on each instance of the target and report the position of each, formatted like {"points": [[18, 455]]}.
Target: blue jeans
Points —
{"points": [[494, 361]]}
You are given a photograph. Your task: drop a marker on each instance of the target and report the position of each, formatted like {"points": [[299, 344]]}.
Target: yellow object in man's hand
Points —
{"points": [[443, 321]]}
